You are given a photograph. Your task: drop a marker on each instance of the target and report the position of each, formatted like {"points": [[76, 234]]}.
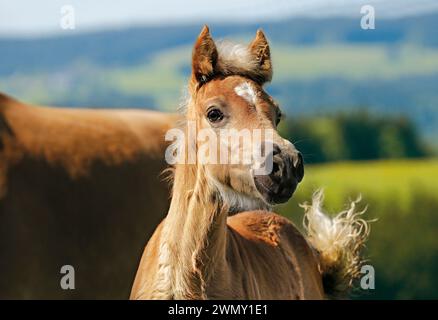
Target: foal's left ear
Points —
{"points": [[204, 57], [259, 48]]}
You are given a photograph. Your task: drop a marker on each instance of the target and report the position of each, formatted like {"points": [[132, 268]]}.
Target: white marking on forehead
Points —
{"points": [[247, 92]]}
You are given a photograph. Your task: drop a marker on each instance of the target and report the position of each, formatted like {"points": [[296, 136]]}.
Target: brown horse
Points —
{"points": [[220, 239], [77, 187]]}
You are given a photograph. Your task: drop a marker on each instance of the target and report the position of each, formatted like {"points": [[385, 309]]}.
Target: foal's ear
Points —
{"points": [[259, 48], [204, 57]]}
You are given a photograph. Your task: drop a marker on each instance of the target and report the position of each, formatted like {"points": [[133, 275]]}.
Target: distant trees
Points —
{"points": [[354, 136]]}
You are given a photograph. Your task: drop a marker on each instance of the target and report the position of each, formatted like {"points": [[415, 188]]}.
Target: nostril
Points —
{"points": [[299, 166], [276, 150], [275, 168]]}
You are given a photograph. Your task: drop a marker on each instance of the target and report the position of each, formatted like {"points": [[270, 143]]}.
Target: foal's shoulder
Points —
{"points": [[265, 226]]}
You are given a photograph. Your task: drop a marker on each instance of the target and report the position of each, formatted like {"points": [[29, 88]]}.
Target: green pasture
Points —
{"points": [[355, 62]]}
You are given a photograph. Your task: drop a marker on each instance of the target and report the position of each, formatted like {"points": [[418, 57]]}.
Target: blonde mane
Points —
{"points": [[237, 59]]}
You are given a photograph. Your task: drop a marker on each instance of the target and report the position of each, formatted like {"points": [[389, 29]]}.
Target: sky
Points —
{"points": [[29, 18]]}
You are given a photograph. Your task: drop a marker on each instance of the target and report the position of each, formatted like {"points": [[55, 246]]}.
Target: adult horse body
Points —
{"points": [[78, 187]]}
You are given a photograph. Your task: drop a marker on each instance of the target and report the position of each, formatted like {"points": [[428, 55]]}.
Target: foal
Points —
{"points": [[219, 239]]}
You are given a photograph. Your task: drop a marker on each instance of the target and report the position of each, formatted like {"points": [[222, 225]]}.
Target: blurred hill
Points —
{"points": [[321, 65]]}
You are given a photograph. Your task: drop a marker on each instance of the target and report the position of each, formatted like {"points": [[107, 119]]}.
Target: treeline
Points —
{"points": [[354, 136]]}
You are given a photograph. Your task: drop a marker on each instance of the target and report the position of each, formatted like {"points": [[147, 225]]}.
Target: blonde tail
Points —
{"points": [[339, 241]]}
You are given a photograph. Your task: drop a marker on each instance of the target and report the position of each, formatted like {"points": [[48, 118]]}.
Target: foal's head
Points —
{"points": [[227, 92]]}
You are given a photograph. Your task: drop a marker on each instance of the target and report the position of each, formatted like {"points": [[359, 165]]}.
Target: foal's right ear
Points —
{"points": [[204, 57]]}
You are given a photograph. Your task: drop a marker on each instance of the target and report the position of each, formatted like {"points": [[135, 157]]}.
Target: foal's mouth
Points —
{"points": [[274, 193]]}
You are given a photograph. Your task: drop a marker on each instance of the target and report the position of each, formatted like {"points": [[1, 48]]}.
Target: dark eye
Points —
{"points": [[215, 115]]}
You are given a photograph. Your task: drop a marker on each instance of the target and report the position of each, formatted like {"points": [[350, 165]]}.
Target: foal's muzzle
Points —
{"points": [[287, 172]]}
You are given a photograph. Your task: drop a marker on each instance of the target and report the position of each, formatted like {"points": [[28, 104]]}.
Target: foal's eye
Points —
{"points": [[215, 115]]}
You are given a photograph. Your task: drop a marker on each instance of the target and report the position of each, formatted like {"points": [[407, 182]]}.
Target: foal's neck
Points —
{"points": [[195, 232]]}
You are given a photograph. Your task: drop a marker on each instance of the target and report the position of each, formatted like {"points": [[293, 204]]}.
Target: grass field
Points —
{"points": [[352, 62], [402, 195]]}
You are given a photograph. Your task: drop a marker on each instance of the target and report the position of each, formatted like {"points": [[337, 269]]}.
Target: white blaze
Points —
{"points": [[246, 91]]}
